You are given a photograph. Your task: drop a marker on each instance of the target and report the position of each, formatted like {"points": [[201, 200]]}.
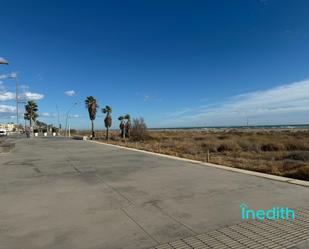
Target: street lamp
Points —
{"points": [[66, 120], [14, 76], [59, 124], [3, 61]]}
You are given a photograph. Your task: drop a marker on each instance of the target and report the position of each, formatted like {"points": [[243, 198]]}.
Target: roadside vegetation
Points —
{"points": [[278, 152]]}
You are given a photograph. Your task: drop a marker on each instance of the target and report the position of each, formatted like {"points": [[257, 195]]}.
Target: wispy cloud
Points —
{"points": [[287, 103], [7, 110], [45, 114], [70, 93], [148, 98], [12, 75], [6, 96], [3, 76], [31, 96]]}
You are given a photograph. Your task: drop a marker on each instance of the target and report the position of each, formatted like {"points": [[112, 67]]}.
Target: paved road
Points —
{"points": [[76, 194]]}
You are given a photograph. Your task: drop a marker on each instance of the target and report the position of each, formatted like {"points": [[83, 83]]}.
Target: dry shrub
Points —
{"points": [[297, 145], [223, 137], [139, 130], [301, 156], [249, 146], [277, 152], [169, 143], [199, 138], [192, 150], [301, 172], [272, 147], [212, 147], [228, 146]]}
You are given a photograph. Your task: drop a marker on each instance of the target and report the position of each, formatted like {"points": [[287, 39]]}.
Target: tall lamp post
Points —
{"points": [[67, 116], [59, 124], [14, 76], [3, 61]]}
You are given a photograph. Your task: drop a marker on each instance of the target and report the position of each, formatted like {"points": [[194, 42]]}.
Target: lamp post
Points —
{"points": [[14, 76], [59, 125], [67, 116], [3, 61]]}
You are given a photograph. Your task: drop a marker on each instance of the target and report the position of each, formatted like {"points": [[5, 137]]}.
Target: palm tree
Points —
{"points": [[91, 105], [108, 119], [122, 126], [128, 125], [31, 112]]}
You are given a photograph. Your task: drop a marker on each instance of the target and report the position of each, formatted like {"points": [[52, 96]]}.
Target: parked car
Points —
{"points": [[3, 132]]}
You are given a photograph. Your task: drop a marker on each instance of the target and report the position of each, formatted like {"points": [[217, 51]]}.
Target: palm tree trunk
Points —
{"points": [[124, 131], [31, 128], [107, 134], [92, 137]]}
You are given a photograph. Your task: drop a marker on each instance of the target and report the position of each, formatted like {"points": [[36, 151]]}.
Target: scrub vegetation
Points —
{"points": [[278, 152]]}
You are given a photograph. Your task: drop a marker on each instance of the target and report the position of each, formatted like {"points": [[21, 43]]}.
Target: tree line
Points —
{"points": [[125, 120], [139, 127]]}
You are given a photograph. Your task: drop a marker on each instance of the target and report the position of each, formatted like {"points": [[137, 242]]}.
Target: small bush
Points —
{"points": [[300, 156], [228, 146], [295, 146], [139, 130], [272, 147], [209, 146]]}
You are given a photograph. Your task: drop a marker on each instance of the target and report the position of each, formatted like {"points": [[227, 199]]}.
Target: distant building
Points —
{"points": [[9, 127]]}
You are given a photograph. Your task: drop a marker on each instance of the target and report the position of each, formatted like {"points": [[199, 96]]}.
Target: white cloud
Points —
{"points": [[6, 96], [3, 76], [284, 104], [7, 110], [31, 96], [12, 75], [75, 116], [70, 93], [146, 98], [45, 114]]}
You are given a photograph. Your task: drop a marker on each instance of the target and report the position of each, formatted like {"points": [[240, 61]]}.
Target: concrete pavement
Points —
{"points": [[74, 194]]}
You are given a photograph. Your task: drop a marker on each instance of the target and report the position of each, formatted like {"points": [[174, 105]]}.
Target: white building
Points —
{"points": [[9, 127]]}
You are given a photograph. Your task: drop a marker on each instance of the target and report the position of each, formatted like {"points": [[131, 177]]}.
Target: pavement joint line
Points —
{"points": [[114, 189], [140, 226], [218, 166], [70, 161], [174, 219]]}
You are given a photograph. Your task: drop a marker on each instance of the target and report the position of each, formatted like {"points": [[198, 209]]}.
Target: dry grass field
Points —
{"points": [[278, 152]]}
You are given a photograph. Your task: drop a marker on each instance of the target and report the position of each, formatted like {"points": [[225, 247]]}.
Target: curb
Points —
{"points": [[218, 166]]}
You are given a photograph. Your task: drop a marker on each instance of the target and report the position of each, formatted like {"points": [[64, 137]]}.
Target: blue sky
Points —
{"points": [[175, 63]]}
